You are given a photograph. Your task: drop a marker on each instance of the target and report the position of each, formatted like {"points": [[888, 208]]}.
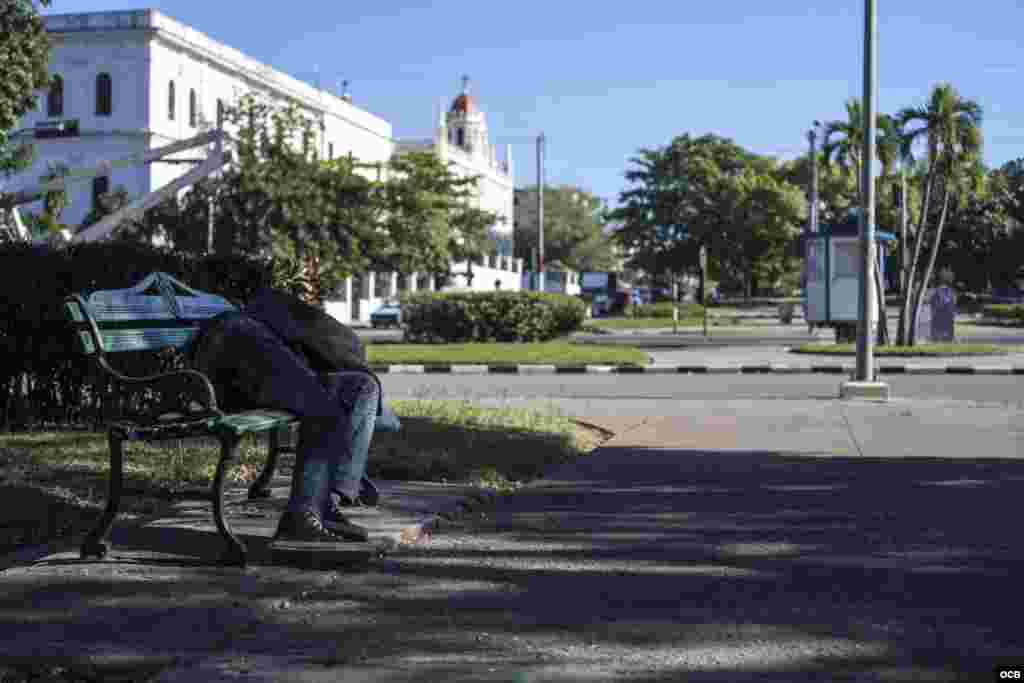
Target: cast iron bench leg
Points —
{"points": [[261, 487], [94, 545], [234, 554]]}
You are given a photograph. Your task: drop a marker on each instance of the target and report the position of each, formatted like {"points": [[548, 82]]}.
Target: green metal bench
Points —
{"points": [[161, 313]]}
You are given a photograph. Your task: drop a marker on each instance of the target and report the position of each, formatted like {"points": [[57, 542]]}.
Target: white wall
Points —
{"points": [[79, 58], [143, 51]]}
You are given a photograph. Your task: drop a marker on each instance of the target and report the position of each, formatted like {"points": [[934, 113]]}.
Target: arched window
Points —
{"points": [[55, 98], [460, 137], [100, 186], [193, 108], [104, 95], [220, 113], [171, 99]]}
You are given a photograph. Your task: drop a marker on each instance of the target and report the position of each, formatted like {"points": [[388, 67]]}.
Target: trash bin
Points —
{"points": [[943, 314]]}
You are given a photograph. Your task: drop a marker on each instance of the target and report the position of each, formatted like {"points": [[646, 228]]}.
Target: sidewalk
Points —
{"points": [[900, 428], [408, 513]]}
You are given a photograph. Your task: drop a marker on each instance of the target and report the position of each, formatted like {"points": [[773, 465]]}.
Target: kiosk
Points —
{"points": [[832, 267]]}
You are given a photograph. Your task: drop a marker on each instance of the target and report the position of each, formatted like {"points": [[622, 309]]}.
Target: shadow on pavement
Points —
{"points": [[639, 565]]}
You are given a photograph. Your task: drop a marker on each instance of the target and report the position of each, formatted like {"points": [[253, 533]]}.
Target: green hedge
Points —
{"points": [[43, 379], [663, 309], [1008, 312], [489, 316]]}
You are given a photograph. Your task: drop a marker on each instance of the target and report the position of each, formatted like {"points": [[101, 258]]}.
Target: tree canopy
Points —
{"points": [[708, 191], [574, 229], [24, 56]]}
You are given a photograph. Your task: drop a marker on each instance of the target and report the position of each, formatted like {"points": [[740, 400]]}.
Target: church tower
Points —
{"points": [[467, 125]]}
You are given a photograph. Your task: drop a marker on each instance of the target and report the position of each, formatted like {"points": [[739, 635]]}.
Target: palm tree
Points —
{"points": [[890, 153], [950, 127], [848, 151]]}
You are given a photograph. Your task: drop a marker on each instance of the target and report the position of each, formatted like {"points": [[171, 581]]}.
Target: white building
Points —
{"points": [[462, 140], [138, 80]]}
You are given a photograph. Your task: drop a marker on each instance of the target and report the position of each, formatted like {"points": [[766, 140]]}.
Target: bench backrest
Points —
{"points": [[155, 314]]}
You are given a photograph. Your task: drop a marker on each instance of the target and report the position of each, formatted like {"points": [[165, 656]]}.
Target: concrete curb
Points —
{"points": [[710, 368]]}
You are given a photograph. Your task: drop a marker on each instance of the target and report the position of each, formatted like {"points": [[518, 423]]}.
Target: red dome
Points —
{"points": [[463, 104]]}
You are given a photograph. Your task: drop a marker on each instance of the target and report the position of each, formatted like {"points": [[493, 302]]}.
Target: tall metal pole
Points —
{"points": [[812, 136], [865, 339], [812, 208], [540, 211]]}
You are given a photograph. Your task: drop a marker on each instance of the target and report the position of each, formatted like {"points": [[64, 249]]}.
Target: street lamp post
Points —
{"points": [[540, 213], [865, 352], [812, 214], [865, 385]]}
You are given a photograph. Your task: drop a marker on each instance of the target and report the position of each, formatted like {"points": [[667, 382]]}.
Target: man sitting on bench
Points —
{"points": [[272, 354]]}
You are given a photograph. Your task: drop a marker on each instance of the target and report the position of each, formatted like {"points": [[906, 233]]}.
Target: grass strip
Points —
{"points": [[558, 353], [441, 441], [924, 349]]}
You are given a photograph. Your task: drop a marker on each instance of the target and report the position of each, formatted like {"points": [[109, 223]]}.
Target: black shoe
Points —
{"points": [[369, 496], [337, 523], [368, 493], [304, 526]]}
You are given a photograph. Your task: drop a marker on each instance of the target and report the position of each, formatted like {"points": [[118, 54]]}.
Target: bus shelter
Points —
{"points": [[833, 270]]}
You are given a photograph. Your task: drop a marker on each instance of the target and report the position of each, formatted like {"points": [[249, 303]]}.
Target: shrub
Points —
{"points": [[42, 376], [489, 316]]}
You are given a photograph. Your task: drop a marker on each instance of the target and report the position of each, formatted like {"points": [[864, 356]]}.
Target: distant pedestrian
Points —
{"points": [[637, 301]]}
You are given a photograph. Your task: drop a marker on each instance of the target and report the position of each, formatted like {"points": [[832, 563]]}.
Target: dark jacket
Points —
{"points": [[324, 343]]}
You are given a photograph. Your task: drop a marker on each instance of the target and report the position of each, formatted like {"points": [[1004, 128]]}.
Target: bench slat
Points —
{"points": [[146, 339], [128, 307], [255, 421]]}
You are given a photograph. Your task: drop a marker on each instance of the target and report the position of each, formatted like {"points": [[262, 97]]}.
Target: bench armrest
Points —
{"points": [[179, 390]]}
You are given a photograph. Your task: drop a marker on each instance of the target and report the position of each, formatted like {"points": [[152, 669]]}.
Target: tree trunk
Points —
{"points": [[902, 244], [919, 299], [908, 319], [883, 321]]}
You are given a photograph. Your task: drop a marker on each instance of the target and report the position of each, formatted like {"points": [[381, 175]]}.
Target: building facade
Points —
{"points": [[126, 82], [461, 139]]}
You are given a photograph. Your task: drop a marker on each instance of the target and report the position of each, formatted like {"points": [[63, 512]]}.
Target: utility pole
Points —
{"points": [[812, 214], [812, 209], [864, 384], [540, 211]]}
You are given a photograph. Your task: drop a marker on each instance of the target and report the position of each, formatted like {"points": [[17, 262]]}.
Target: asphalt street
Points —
{"points": [[580, 394]]}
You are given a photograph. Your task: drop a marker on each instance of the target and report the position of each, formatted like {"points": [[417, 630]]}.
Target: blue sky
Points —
{"points": [[603, 79]]}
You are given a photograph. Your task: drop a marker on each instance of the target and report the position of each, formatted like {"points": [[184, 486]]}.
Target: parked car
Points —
{"points": [[388, 315]]}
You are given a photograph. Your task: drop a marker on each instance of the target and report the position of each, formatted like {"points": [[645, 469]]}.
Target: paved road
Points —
{"points": [[657, 392], [766, 336]]}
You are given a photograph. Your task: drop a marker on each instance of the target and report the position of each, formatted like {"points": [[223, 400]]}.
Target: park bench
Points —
{"points": [[161, 313]]}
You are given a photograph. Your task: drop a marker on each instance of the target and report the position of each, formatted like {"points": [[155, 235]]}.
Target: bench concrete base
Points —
{"points": [[325, 556]]}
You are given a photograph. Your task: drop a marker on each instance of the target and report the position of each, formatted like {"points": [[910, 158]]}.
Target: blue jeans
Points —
{"points": [[253, 365]]}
